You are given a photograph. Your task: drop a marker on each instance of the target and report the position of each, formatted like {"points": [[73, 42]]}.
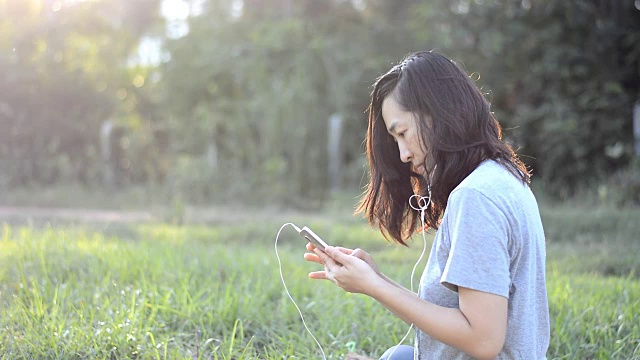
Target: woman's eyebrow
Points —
{"points": [[392, 128]]}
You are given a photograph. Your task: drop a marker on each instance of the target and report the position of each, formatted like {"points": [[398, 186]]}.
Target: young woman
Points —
{"points": [[482, 294]]}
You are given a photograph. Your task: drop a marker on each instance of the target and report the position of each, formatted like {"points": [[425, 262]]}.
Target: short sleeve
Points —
{"points": [[478, 233]]}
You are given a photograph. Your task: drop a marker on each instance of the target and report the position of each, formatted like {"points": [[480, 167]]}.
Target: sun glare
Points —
{"points": [[175, 9]]}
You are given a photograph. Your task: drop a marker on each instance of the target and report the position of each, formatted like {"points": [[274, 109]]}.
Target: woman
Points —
{"points": [[482, 294]]}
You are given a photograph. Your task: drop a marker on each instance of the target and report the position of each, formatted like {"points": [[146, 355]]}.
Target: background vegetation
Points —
{"points": [[238, 100]]}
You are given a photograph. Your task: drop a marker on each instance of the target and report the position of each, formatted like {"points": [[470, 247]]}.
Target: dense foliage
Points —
{"points": [[64, 72], [241, 103]]}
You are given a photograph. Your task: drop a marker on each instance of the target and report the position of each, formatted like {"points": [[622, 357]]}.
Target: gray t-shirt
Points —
{"points": [[491, 239]]}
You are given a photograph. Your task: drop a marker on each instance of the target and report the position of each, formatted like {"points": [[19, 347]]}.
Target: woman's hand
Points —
{"points": [[352, 270], [359, 253]]}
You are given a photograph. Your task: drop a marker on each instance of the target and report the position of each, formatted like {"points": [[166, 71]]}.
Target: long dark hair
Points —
{"points": [[460, 134]]}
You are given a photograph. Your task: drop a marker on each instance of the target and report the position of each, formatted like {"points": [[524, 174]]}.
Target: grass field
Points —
{"points": [[214, 292]]}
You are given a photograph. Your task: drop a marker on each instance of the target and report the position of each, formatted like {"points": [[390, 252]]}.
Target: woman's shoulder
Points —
{"points": [[491, 176], [494, 182]]}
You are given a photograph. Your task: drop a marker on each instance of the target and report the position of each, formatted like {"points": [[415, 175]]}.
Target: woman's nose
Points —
{"points": [[405, 154]]}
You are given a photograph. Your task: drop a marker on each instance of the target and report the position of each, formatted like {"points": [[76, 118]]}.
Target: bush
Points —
{"points": [[624, 186]]}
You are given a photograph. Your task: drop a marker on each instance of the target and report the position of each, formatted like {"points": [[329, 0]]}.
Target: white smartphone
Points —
{"points": [[313, 238]]}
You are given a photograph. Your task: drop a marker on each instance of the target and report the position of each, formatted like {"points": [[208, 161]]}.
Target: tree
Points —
{"points": [[65, 67], [260, 90], [563, 77]]}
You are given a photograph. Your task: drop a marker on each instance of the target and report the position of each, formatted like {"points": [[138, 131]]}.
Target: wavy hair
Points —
{"points": [[461, 133]]}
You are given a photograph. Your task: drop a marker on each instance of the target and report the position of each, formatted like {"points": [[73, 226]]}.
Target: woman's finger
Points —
{"points": [[310, 246], [318, 275], [328, 261], [364, 256], [344, 250], [336, 256], [360, 254], [313, 258]]}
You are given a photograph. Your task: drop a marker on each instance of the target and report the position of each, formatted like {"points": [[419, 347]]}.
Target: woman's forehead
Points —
{"points": [[394, 115]]}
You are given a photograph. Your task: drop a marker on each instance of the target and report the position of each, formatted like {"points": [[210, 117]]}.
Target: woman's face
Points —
{"points": [[403, 126]]}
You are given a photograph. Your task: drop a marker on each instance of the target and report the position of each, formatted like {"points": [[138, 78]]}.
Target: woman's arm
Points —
{"points": [[478, 327]]}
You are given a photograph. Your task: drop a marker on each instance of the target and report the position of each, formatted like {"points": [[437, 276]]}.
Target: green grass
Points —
{"points": [[81, 196], [214, 292]]}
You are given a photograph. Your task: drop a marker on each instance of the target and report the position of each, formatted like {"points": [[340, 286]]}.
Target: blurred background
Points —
{"points": [[133, 103]]}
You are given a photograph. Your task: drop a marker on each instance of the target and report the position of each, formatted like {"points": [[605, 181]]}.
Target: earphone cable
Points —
{"points": [[289, 294], [422, 206]]}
